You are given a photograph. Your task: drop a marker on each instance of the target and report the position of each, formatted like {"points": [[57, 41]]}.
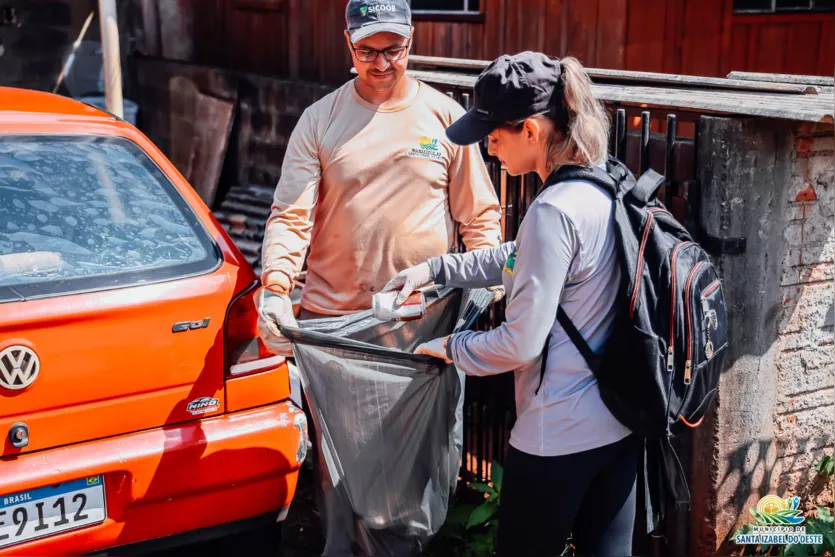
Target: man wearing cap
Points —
{"points": [[370, 185]]}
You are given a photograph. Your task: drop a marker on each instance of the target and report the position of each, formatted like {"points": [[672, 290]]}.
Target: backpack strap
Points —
{"points": [[568, 325], [594, 174], [647, 186], [592, 359], [609, 180]]}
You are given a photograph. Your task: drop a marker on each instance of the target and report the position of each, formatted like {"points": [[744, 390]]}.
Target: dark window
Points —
{"points": [[82, 213], [465, 6], [782, 6]]}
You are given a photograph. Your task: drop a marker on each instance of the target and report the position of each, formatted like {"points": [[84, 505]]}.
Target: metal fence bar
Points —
{"points": [[671, 190], [620, 145], [644, 152]]}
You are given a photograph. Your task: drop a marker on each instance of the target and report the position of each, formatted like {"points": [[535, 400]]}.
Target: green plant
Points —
{"points": [[826, 467], [472, 528]]}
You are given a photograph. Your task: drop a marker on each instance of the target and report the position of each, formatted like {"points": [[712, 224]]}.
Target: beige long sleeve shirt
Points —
{"points": [[371, 191]]}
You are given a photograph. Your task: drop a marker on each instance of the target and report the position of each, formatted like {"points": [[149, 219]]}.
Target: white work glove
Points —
{"points": [[275, 309], [498, 293], [408, 281], [436, 348]]}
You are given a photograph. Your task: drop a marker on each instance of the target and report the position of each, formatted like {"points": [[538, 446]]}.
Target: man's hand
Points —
{"points": [[273, 310], [436, 348], [408, 281]]}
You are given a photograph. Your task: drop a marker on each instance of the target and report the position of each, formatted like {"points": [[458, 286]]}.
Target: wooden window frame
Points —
{"points": [[466, 15], [260, 5], [774, 11]]}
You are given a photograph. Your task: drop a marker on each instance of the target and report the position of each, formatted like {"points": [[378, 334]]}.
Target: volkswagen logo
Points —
{"points": [[19, 367]]}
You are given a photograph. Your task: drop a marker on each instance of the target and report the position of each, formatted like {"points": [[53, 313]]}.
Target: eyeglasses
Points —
{"points": [[392, 54]]}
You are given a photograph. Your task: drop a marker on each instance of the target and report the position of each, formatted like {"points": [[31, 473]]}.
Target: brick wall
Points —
{"points": [[267, 111], [804, 415]]}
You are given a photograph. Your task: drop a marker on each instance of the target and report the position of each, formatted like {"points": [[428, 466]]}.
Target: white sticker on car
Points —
{"points": [[203, 405]]}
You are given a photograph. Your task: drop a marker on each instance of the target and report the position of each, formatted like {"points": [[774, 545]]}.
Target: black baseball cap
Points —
{"points": [[367, 17], [510, 88]]}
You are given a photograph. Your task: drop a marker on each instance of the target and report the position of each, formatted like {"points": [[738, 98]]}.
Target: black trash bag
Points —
{"points": [[389, 429]]}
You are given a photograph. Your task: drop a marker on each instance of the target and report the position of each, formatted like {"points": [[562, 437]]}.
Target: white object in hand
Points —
{"points": [[409, 280], [385, 308]]}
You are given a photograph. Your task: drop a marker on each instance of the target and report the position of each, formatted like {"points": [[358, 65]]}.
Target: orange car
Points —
{"points": [[136, 400]]}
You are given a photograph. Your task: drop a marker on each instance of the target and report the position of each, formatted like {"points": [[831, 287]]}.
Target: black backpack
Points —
{"points": [[659, 369]]}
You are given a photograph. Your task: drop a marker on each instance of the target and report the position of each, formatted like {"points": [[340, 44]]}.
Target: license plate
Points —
{"points": [[46, 511]]}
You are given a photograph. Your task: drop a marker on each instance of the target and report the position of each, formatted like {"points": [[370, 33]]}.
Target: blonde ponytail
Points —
{"points": [[584, 137]]}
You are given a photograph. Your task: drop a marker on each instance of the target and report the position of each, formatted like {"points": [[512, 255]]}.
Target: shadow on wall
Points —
{"points": [[751, 461], [751, 470]]}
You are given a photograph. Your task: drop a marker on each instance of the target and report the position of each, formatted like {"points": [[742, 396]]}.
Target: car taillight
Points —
{"points": [[245, 353]]}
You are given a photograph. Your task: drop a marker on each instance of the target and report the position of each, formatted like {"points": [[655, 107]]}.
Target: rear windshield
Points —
{"points": [[81, 213]]}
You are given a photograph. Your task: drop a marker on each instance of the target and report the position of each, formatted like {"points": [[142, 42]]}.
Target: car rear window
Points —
{"points": [[82, 213]]}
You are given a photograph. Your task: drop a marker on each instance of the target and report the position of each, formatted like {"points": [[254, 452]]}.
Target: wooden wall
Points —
{"points": [[801, 44], [303, 38], [298, 39], [698, 37]]}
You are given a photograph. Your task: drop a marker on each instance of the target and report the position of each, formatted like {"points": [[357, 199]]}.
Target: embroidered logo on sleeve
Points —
{"points": [[428, 149], [510, 263]]}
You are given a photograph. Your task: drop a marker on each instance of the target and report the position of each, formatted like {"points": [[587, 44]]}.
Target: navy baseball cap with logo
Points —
{"points": [[511, 88], [367, 17]]}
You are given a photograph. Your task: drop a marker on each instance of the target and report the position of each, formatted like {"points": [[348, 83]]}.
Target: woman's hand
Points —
{"points": [[408, 281], [498, 293], [436, 348]]}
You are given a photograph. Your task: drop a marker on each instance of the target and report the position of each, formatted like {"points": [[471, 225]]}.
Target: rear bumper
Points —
{"points": [[172, 480], [212, 534]]}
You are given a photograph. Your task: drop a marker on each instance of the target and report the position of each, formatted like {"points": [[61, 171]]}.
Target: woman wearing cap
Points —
{"points": [[571, 467]]}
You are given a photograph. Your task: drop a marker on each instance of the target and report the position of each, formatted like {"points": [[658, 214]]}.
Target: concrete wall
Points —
{"points": [[267, 111], [771, 182]]}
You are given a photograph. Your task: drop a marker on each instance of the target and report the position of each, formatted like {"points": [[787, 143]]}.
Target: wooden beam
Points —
{"points": [[601, 74], [699, 81], [784, 78], [809, 108], [150, 27], [112, 64], [294, 42]]}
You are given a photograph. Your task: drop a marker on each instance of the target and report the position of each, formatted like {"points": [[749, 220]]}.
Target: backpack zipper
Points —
{"points": [[689, 363], [671, 345], [709, 316], [640, 269]]}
